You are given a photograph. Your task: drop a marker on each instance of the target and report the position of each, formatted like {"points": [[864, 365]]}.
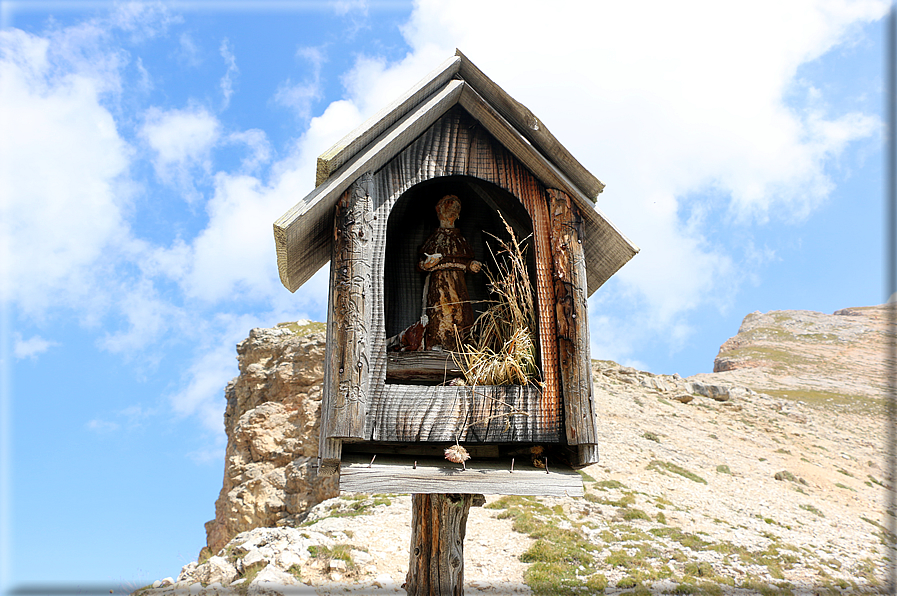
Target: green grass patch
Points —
{"points": [[609, 484], [651, 436], [875, 481], [812, 509], [659, 465], [586, 477], [858, 403], [557, 554], [723, 469], [631, 514]]}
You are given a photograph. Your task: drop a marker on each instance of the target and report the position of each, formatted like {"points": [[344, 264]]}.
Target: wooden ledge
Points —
{"points": [[397, 474]]}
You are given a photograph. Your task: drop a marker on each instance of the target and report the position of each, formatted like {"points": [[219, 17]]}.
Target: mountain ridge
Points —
{"points": [[765, 477]]}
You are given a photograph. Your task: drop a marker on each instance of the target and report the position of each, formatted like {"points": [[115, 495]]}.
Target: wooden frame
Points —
{"points": [[456, 124]]}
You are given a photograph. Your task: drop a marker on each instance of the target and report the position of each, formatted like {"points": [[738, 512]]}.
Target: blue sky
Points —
{"points": [[148, 148]]}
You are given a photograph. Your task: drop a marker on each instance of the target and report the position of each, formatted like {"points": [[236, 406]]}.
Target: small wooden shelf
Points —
{"points": [[423, 366], [398, 474]]}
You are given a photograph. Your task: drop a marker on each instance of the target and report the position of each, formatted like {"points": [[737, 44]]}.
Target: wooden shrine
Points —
{"points": [[458, 156]]}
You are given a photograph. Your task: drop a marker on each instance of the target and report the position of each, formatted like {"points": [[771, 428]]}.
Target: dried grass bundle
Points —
{"points": [[503, 351]]}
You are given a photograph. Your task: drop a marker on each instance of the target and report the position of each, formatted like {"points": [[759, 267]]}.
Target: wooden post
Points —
{"points": [[573, 325], [347, 356], [438, 526]]}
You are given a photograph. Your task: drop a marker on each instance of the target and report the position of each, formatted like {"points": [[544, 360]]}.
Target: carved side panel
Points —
{"points": [[349, 319], [572, 318]]}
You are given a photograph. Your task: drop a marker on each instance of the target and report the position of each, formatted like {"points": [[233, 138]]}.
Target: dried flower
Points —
{"points": [[457, 454]]}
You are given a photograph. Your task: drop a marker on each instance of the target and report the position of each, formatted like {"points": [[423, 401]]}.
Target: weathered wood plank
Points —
{"points": [[350, 314], [488, 477], [572, 318], [304, 233], [344, 149], [587, 454], [329, 450], [531, 127], [485, 414], [424, 365]]}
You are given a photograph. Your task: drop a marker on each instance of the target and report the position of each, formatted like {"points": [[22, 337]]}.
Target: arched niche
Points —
{"points": [[412, 220]]}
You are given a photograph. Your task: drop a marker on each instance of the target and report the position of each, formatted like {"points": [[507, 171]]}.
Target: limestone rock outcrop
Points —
{"points": [[801, 354], [271, 422]]}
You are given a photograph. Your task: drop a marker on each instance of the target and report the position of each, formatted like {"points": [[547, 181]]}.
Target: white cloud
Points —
{"points": [[182, 141], [62, 168], [31, 347], [102, 426], [256, 141], [227, 81], [661, 102], [188, 52], [149, 317], [300, 97]]}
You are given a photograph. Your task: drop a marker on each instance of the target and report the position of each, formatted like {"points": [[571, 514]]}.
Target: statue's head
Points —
{"points": [[448, 208]]}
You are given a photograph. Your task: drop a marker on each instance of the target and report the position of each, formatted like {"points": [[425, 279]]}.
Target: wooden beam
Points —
{"points": [[342, 151], [349, 321], [572, 318], [303, 234], [392, 474]]}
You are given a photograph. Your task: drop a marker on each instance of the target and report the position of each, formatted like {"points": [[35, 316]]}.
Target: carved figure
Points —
{"points": [[446, 257]]}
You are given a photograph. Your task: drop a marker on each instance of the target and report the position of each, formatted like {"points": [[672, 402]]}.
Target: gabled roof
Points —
{"points": [[304, 233]]}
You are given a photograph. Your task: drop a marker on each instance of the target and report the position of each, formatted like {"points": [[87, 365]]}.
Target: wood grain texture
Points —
{"points": [[329, 450], [587, 454], [486, 414], [346, 148], [421, 365], [530, 126], [348, 342], [393, 474], [438, 527], [572, 319], [303, 235], [329, 456]]}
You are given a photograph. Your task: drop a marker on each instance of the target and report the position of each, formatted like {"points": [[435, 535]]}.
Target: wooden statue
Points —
{"points": [[446, 257]]}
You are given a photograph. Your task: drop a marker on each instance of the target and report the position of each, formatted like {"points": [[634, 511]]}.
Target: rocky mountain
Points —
{"points": [[799, 354], [271, 422], [767, 476]]}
